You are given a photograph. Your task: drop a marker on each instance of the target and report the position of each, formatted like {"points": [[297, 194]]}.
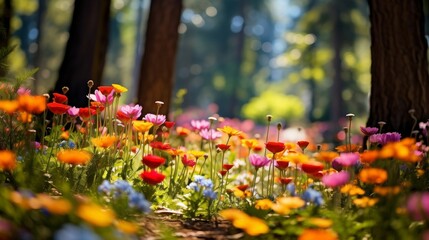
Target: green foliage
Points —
{"points": [[280, 106]]}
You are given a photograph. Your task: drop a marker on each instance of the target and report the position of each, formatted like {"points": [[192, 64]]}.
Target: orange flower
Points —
{"points": [[32, 104], [365, 202], [183, 132], [348, 148], [352, 190], [9, 107], [373, 175], [104, 141], [127, 227], [405, 150], [311, 234], [24, 117], [284, 205], [251, 225], [73, 156], [296, 158], [249, 143], [55, 206], [7, 160], [263, 204], [387, 190], [230, 131], [320, 222], [369, 156], [326, 156], [95, 215]]}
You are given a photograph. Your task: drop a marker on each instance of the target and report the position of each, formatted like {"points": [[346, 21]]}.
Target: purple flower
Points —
{"points": [[210, 134], [423, 126], [336, 179], [99, 97], [348, 159], [258, 161], [132, 112], [200, 124], [73, 112], [155, 119], [418, 206], [368, 131], [383, 138]]}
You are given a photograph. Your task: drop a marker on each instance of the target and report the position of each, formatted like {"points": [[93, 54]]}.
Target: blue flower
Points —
{"points": [[105, 187], [209, 193], [73, 232], [291, 189], [194, 186], [122, 186], [207, 183], [198, 178], [313, 196], [72, 144], [138, 201]]}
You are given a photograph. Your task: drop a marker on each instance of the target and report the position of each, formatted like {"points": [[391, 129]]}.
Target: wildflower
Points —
{"points": [[58, 108], [313, 196], [336, 179], [258, 161], [200, 124], [368, 131], [365, 202], [384, 138], [104, 141], [74, 157], [223, 172], [7, 160], [387, 190], [285, 181], [227, 166], [24, 117], [60, 98], [251, 225], [373, 175], [169, 124], [9, 106], [281, 164], [73, 112], [197, 154], [418, 206], [188, 162], [142, 126], [284, 205], [320, 222], [54, 206], [312, 166], [311, 234], [296, 158], [98, 96], [126, 227], [369, 156], [303, 144], [160, 145], [138, 201], [405, 150], [157, 120], [352, 190], [348, 148], [229, 131], [105, 90], [95, 215], [128, 113], [263, 204], [32, 104], [326, 156], [348, 159], [210, 194], [210, 134], [23, 91], [223, 147], [183, 132], [119, 89], [275, 147], [152, 177], [73, 232], [153, 161], [249, 143], [86, 113]]}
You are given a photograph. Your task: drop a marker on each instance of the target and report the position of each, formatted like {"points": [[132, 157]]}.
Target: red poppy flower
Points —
{"points": [[275, 147], [282, 164], [168, 124], [153, 161], [58, 108], [243, 187], [223, 172], [285, 181], [105, 90], [223, 147], [303, 144], [123, 117], [60, 98], [152, 177], [188, 162], [227, 166], [86, 113], [160, 145], [257, 148], [312, 166], [316, 175]]}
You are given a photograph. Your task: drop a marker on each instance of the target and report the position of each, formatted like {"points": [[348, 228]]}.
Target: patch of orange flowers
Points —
{"points": [[249, 224], [7, 160], [74, 157]]}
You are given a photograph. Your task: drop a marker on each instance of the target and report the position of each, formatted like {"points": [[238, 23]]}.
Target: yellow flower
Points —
{"points": [[126, 227], [251, 225], [365, 202], [54, 206], [7, 160], [249, 143], [283, 205], [197, 154], [119, 89], [352, 190], [24, 201], [104, 141], [296, 158], [75, 157], [312, 234], [373, 175], [146, 137], [9, 107], [326, 156], [142, 126], [175, 152], [320, 222], [264, 204], [95, 215], [229, 130], [388, 190]]}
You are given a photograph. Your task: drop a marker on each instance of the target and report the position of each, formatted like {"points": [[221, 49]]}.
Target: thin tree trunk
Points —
{"points": [[400, 79], [5, 19], [158, 63], [86, 49]]}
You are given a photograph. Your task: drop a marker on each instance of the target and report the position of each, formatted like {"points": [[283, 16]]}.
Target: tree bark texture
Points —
{"points": [[399, 67], [159, 57], [86, 50]]}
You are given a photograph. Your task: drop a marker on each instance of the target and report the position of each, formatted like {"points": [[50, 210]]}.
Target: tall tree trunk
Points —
{"points": [[158, 63], [86, 49], [5, 18], [400, 79]]}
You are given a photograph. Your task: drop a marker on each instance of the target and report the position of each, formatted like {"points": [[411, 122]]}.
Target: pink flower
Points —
{"points": [[155, 119], [131, 112], [98, 96], [210, 134], [418, 206], [368, 131], [73, 112], [23, 91], [348, 159], [258, 161], [383, 138], [336, 179], [200, 124]]}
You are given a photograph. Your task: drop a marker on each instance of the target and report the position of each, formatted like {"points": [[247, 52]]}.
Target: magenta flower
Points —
{"points": [[73, 112], [336, 179], [200, 124], [100, 97], [210, 134], [348, 159], [23, 91], [155, 119], [258, 161], [383, 138], [368, 131], [131, 112], [418, 206]]}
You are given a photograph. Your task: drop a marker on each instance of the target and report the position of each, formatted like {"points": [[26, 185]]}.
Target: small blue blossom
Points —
{"points": [[105, 187], [209, 193], [73, 232], [291, 189], [194, 186], [72, 144], [207, 183], [138, 201], [313, 196], [63, 143], [122, 186], [198, 178]]}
